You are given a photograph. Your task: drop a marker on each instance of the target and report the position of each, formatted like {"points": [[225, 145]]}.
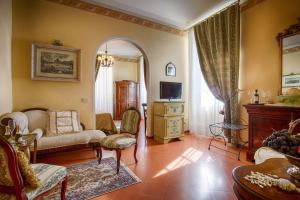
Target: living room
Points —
{"points": [[169, 36]]}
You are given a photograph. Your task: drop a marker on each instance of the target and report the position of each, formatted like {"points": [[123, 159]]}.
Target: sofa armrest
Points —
{"points": [[38, 132], [82, 125]]}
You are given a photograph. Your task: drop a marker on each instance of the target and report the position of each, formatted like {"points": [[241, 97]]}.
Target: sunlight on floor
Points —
{"points": [[189, 156]]}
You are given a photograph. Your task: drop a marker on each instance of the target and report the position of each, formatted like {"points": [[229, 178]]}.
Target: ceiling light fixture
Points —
{"points": [[105, 60]]}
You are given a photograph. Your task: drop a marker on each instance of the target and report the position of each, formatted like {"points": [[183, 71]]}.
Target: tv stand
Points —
{"points": [[168, 120]]}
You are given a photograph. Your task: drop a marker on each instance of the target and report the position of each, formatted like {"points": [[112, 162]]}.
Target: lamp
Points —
{"points": [[105, 60]]}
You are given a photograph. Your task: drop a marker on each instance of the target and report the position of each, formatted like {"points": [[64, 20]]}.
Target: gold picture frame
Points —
{"points": [[55, 63]]}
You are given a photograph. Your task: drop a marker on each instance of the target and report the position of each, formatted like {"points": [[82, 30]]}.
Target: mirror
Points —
{"points": [[290, 58], [290, 62]]}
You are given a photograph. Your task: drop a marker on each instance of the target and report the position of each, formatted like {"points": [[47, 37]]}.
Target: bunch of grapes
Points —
{"points": [[284, 142]]}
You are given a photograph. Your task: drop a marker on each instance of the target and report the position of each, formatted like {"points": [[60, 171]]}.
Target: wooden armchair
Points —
{"points": [[12, 184], [127, 137]]}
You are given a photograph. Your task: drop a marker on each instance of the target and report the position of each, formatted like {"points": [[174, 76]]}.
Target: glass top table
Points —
{"points": [[217, 131]]}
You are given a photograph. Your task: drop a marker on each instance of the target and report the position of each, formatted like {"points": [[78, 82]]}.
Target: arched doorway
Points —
{"points": [[116, 52]]}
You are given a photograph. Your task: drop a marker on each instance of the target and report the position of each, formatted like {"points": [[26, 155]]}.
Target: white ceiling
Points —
{"points": [[117, 47], [180, 14]]}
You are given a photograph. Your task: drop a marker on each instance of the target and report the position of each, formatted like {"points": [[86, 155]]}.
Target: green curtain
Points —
{"points": [[218, 42], [97, 66]]}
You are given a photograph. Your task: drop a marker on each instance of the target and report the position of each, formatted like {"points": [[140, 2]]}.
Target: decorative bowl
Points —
{"points": [[294, 170]]}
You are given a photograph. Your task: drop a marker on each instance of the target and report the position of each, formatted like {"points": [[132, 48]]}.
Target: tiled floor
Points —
{"points": [[174, 171]]}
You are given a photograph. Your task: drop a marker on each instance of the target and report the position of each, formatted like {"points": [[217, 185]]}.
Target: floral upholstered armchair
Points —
{"points": [[21, 180], [127, 137]]}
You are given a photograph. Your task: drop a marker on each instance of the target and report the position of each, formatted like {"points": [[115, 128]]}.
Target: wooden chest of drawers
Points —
{"points": [[263, 119], [168, 121]]}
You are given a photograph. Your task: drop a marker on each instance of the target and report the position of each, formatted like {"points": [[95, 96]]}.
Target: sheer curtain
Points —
{"points": [[104, 90], [203, 106], [143, 92]]}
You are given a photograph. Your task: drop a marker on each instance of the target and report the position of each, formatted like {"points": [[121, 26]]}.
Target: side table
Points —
{"points": [[245, 190], [28, 139], [217, 131]]}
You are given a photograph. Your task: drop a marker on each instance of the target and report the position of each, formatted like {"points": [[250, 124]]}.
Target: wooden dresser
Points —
{"points": [[263, 119], [168, 121], [126, 96]]}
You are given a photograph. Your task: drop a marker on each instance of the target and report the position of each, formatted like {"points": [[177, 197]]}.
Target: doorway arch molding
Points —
{"points": [[147, 65]]}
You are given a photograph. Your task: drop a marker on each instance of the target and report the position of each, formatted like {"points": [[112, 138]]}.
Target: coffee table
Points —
{"points": [[245, 190]]}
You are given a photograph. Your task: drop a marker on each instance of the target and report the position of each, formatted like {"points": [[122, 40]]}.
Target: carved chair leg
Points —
{"points": [[63, 189], [34, 151], [97, 151], [118, 151], [99, 154], [135, 150]]}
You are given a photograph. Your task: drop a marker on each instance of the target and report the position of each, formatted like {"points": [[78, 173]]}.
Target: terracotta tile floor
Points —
{"points": [[174, 171]]}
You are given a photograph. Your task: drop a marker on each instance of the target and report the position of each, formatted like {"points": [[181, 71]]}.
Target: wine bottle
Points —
{"points": [[256, 97]]}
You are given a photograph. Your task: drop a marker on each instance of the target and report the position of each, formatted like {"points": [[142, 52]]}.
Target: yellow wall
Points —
{"points": [[5, 56], [260, 58], [43, 21], [125, 71]]}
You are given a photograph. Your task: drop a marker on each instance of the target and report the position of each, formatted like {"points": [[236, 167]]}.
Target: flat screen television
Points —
{"points": [[170, 90]]}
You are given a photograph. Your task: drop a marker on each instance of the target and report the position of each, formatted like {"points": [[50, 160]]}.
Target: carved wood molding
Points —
{"points": [[118, 15], [124, 59], [291, 50], [249, 4], [292, 30]]}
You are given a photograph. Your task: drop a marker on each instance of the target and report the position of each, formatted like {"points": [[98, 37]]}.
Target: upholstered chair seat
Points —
{"points": [[120, 141], [49, 176]]}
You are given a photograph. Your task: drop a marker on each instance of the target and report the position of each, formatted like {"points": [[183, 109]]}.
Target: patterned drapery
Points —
{"points": [[218, 46]]}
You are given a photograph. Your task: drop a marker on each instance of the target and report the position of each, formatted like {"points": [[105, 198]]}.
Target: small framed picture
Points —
{"points": [[55, 63], [170, 69], [291, 81]]}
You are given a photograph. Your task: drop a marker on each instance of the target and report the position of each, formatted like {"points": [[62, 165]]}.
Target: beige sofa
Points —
{"points": [[35, 120]]}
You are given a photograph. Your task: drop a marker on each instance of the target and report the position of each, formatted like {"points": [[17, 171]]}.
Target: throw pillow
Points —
{"points": [[31, 181], [61, 122]]}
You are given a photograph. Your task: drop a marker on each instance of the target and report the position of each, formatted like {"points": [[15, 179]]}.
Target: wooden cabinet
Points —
{"points": [[168, 121], [263, 119], [126, 96]]}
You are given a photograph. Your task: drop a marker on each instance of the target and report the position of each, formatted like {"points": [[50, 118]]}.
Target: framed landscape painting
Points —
{"points": [[55, 63]]}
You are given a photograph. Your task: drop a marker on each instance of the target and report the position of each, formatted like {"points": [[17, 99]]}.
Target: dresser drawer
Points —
{"points": [[169, 109], [174, 109], [174, 126]]}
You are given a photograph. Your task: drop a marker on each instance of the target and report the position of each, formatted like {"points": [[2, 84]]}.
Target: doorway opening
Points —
{"points": [[121, 82]]}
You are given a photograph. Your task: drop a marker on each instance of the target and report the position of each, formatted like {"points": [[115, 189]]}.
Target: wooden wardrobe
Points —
{"points": [[126, 96]]}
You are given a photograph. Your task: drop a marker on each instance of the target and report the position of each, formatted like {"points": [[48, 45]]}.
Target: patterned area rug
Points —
{"points": [[89, 180]]}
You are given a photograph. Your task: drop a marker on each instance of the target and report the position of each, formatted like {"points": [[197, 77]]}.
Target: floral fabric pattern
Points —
{"points": [[129, 123], [49, 175], [119, 141]]}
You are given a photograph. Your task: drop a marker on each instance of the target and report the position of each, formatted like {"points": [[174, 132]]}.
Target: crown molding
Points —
{"points": [[89, 7], [249, 4], [124, 59]]}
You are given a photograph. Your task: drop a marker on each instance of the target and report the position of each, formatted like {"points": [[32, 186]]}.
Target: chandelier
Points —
{"points": [[105, 60]]}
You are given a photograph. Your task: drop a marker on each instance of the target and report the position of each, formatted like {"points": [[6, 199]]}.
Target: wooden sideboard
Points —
{"points": [[263, 119], [168, 121]]}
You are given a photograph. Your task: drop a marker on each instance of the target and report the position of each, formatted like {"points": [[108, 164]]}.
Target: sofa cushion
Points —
{"points": [[61, 122], [37, 119], [83, 137], [29, 176]]}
